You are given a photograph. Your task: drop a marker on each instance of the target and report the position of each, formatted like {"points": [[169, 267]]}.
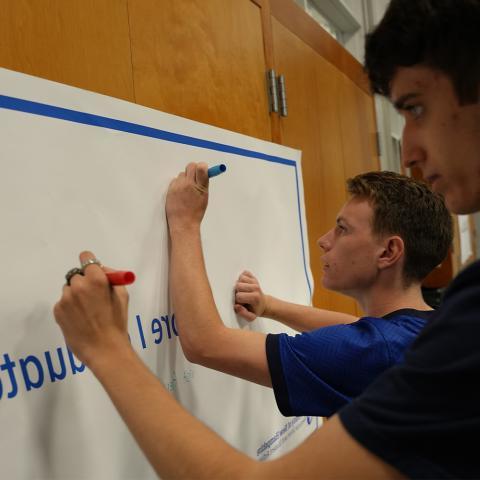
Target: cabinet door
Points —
{"points": [[358, 127], [313, 125], [202, 59], [84, 43]]}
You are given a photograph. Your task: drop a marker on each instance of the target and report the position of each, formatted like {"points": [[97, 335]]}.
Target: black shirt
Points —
{"points": [[423, 416]]}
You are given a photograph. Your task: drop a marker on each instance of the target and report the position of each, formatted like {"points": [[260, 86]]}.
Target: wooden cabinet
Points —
{"points": [[207, 60], [330, 118], [313, 126], [84, 43], [202, 60]]}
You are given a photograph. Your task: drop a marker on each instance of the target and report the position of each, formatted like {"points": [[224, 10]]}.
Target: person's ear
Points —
{"points": [[393, 251]]}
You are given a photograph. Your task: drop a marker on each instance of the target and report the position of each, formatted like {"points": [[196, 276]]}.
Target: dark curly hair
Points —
{"points": [[441, 34], [408, 208]]}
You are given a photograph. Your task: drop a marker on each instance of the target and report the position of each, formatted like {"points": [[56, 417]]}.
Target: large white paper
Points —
{"points": [[85, 171]]}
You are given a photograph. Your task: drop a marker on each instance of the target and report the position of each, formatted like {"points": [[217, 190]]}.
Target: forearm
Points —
{"points": [[179, 446], [303, 318], [205, 339], [196, 314], [175, 443]]}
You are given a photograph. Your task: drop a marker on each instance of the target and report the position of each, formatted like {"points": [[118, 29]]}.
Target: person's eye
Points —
{"points": [[416, 111], [341, 229]]}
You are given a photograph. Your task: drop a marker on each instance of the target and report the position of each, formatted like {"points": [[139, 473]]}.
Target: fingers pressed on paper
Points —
{"points": [[247, 279], [246, 287], [245, 313], [244, 298]]}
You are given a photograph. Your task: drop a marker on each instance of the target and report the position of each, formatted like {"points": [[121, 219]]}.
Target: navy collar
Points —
{"points": [[411, 312]]}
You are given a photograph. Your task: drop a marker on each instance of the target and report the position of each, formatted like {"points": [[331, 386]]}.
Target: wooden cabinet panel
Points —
{"points": [[358, 127], [313, 125], [202, 59], [84, 43], [288, 13]]}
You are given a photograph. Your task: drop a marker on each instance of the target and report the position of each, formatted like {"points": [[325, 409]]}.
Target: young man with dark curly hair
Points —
{"points": [[419, 419]]}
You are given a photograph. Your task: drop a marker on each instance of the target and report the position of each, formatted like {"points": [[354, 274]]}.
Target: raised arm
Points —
{"points": [[93, 318], [205, 339], [251, 302]]}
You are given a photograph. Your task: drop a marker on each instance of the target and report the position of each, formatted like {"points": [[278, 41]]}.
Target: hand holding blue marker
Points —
{"points": [[216, 170]]}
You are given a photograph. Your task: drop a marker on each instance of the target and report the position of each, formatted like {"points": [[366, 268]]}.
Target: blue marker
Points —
{"points": [[216, 170]]}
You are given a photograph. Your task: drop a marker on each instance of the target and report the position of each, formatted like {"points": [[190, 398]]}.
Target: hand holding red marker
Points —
{"points": [[115, 277]]}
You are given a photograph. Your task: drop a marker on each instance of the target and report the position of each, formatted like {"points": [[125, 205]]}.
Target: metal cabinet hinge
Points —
{"points": [[282, 93], [272, 91]]}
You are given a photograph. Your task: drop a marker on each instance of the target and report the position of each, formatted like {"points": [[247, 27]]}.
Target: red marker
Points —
{"points": [[120, 277]]}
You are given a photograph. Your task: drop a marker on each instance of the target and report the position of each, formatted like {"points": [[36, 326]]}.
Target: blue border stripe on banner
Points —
{"points": [[51, 111], [301, 233]]}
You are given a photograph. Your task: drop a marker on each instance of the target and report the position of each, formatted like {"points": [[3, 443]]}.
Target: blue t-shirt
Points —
{"points": [[318, 372]]}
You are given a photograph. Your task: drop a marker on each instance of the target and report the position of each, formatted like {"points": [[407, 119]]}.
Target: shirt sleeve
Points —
{"points": [[318, 372], [422, 416]]}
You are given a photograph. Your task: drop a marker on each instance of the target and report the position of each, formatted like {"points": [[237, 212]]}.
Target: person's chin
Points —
{"points": [[460, 205], [327, 283], [324, 282]]}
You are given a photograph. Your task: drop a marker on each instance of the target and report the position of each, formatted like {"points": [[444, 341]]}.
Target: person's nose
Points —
{"points": [[413, 152], [324, 242]]}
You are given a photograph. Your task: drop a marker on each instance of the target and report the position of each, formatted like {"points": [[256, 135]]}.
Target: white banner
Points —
{"points": [[86, 171]]}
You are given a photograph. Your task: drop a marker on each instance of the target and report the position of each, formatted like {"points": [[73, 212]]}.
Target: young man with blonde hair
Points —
{"points": [[378, 253]]}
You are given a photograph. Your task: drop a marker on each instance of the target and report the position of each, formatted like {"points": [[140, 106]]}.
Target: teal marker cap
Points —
{"points": [[216, 170]]}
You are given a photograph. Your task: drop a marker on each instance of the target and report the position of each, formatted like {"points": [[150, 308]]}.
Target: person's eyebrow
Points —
{"points": [[399, 104], [342, 220]]}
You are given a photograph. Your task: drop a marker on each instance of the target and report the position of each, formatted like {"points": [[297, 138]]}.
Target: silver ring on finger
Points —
{"points": [[90, 261]]}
